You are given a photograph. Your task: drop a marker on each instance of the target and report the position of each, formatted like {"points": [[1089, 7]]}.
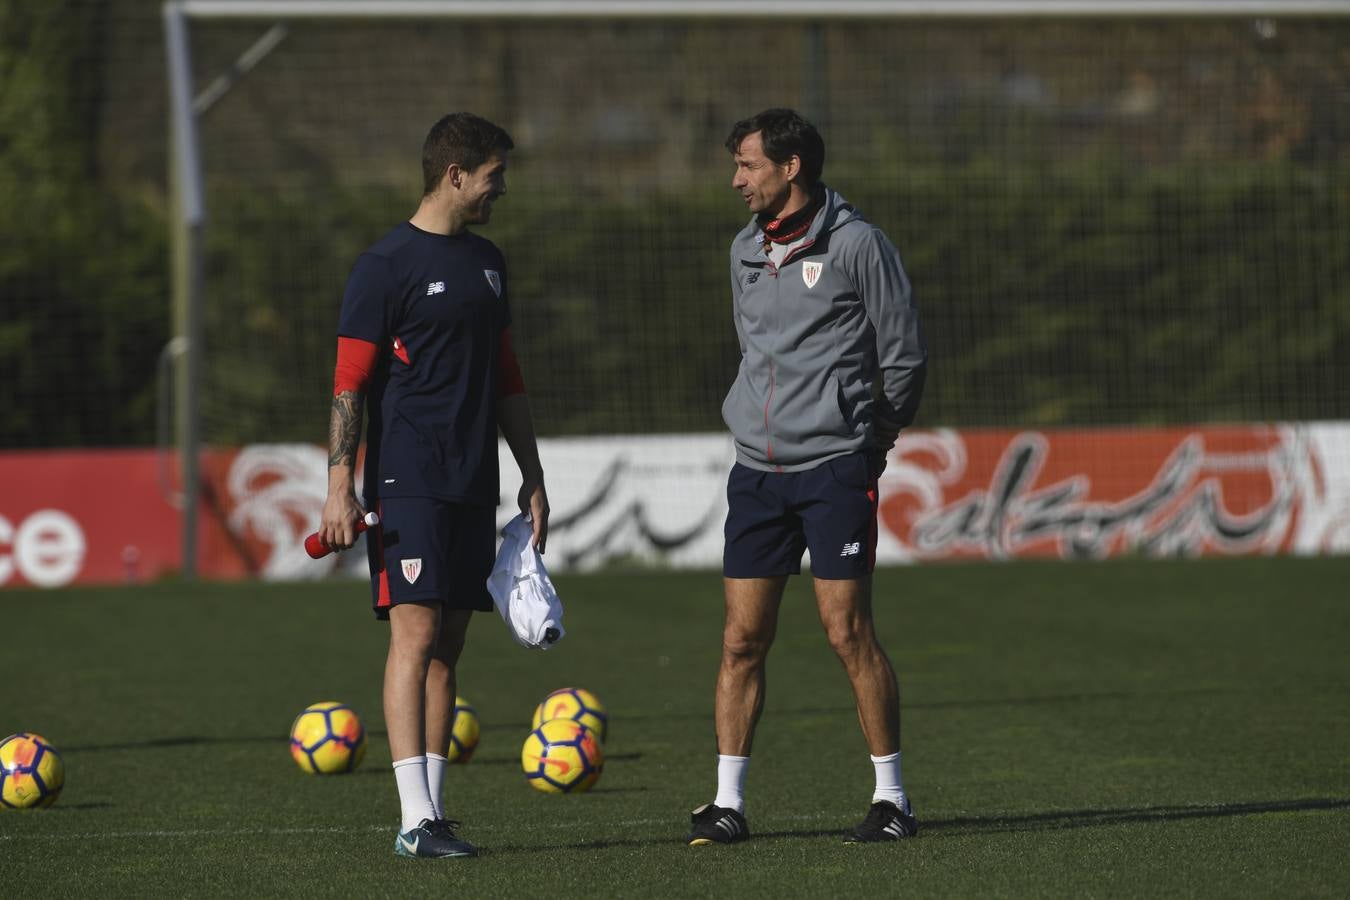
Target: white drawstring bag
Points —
{"points": [[521, 588]]}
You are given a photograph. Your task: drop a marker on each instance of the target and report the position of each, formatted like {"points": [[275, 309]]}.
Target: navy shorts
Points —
{"points": [[773, 516], [431, 551]]}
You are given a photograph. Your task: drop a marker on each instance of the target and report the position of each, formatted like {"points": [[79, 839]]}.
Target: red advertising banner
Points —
{"points": [[103, 516], [94, 517], [1099, 493]]}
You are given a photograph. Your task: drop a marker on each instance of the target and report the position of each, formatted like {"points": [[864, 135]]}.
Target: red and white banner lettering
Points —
{"points": [[102, 516]]}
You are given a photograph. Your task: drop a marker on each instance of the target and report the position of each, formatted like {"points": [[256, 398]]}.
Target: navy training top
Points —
{"points": [[435, 305]]}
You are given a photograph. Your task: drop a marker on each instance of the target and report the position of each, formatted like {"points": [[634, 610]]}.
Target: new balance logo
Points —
{"points": [[436, 287], [852, 549]]}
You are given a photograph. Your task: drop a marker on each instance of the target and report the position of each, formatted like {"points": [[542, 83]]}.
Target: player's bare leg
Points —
{"points": [[440, 693], [747, 633], [440, 699], [845, 608], [412, 636], [413, 632]]}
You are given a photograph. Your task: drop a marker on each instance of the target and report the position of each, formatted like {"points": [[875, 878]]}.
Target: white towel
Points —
{"points": [[521, 588]]}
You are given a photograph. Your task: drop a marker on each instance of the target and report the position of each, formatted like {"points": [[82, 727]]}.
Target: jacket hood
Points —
{"points": [[834, 213]]}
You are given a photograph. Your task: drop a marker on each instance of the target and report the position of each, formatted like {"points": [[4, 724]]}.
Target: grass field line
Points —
{"points": [[997, 821], [189, 832], [675, 820]]}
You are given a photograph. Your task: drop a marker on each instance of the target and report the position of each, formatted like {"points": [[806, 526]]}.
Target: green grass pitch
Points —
{"points": [[1129, 728]]}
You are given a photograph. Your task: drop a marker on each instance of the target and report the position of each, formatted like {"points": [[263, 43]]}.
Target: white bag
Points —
{"points": [[521, 588]]}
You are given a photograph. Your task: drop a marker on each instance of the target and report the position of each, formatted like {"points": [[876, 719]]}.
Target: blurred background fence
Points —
{"points": [[1107, 221]]}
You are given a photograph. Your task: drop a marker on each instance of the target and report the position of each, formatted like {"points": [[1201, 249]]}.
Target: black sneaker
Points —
{"points": [[433, 839], [716, 825], [885, 822]]}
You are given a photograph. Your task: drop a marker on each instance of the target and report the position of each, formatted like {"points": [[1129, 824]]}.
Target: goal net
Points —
{"points": [[1107, 220]]}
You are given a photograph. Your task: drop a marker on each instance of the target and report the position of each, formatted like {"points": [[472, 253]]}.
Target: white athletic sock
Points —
{"points": [[731, 782], [435, 780], [413, 794], [889, 786]]}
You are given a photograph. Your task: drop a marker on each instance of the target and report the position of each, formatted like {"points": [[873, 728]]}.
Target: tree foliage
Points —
{"points": [[83, 267]]}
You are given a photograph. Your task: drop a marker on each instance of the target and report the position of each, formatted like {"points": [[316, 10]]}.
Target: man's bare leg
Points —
{"points": [[845, 607], [440, 698], [412, 636], [747, 633]]}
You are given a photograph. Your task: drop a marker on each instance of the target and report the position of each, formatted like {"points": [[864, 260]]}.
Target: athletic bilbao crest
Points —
{"points": [[811, 273], [495, 280], [411, 569]]}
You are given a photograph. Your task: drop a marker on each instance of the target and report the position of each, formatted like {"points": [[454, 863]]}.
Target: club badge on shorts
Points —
{"points": [[495, 280], [412, 568], [811, 273]]}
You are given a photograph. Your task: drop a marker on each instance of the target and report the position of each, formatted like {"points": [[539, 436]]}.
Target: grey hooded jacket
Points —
{"points": [[832, 355]]}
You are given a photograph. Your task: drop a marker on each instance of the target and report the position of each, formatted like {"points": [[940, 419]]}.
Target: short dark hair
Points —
{"points": [[785, 134], [461, 138]]}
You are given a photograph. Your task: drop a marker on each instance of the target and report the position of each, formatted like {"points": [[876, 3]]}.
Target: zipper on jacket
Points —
{"points": [[768, 433], [792, 254], [774, 272], [773, 372]]}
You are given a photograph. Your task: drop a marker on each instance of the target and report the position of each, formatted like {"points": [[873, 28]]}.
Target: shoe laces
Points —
{"points": [[445, 827], [710, 813], [878, 815]]}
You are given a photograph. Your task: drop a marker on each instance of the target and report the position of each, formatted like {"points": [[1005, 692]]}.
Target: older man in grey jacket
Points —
{"points": [[832, 367]]}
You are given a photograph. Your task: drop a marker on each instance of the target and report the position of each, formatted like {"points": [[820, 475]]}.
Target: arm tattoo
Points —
{"points": [[344, 428]]}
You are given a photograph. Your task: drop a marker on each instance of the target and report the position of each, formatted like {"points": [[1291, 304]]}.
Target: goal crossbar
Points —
{"points": [[695, 9]]}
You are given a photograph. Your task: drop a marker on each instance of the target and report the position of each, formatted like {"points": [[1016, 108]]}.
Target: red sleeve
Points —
{"points": [[355, 361], [509, 379]]}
